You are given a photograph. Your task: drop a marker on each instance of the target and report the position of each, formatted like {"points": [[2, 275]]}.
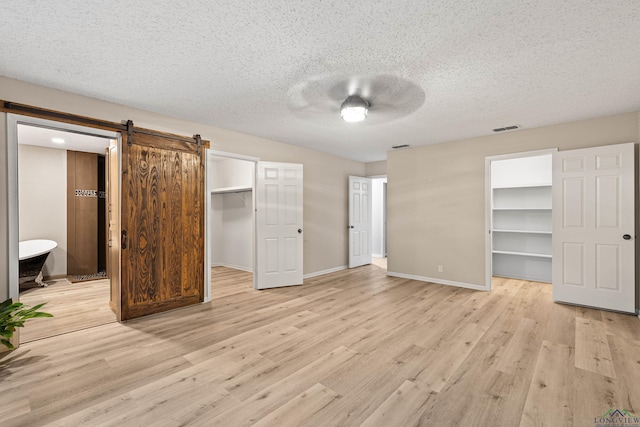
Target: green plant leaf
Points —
{"points": [[13, 315]]}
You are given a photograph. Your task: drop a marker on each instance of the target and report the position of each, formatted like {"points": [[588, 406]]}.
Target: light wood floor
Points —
{"points": [[352, 348], [74, 306]]}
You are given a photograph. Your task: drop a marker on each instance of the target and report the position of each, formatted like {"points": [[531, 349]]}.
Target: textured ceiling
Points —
{"points": [[434, 70]]}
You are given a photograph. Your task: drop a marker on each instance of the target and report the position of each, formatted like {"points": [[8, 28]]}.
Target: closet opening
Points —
{"points": [[231, 223], [518, 216]]}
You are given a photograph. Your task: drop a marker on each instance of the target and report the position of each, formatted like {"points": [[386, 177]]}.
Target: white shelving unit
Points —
{"points": [[225, 190], [521, 222]]}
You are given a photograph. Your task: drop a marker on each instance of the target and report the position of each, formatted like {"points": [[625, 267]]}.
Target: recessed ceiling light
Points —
{"points": [[57, 140]]}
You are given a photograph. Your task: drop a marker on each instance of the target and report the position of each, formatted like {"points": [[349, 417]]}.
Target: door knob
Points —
{"points": [[351, 226], [626, 237], [299, 230]]}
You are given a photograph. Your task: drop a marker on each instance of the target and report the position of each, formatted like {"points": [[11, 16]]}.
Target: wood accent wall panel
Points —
{"points": [[163, 215], [71, 211], [82, 214]]}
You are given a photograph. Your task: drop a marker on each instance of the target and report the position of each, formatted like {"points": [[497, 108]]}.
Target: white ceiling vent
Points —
{"points": [[502, 129]]}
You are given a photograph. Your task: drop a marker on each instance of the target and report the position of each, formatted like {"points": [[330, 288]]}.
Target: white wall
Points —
{"points": [[377, 217], [521, 172], [231, 214], [376, 168], [237, 231], [215, 227], [231, 173], [42, 192]]}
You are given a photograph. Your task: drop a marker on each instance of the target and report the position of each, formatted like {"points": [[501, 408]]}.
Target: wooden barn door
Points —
{"points": [[162, 223]]}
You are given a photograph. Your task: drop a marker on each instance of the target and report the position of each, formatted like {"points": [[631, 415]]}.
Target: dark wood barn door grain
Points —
{"points": [[163, 217]]}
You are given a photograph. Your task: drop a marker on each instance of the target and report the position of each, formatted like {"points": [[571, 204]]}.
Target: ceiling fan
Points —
{"points": [[386, 97]]}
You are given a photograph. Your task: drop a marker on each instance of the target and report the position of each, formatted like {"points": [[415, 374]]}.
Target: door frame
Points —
{"points": [[488, 203], [383, 213], [207, 203], [13, 120]]}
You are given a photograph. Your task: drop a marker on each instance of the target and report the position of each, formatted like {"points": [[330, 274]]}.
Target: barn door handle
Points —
{"points": [[123, 240], [626, 237]]}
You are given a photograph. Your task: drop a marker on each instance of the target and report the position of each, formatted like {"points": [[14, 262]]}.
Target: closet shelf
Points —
{"points": [[523, 254], [231, 190], [522, 186], [522, 231]]}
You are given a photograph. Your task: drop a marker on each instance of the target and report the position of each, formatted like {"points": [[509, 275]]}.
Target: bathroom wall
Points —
{"points": [[42, 186]]}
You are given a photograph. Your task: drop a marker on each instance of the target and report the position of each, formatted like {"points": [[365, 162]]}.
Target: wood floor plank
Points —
{"points": [[445, 359], [550, 398], [75, 306], [592, 347], [265, 401], [593, 395], [297, 411], [521, 353], [348, 348], [626, 359], [561, 327], [402, 408]]}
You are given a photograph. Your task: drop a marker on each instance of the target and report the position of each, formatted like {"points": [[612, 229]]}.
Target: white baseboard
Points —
{"points": [[377, 256], [320, 273], [438, 281], [235, 267]]}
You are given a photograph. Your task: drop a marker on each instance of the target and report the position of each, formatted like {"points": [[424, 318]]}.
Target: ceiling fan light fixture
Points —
{"points": [[354, 109]]}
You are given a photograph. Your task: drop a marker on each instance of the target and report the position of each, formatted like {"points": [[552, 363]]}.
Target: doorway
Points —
{"points": [[40, 150], [231, 223], [266, 202], [519, 216], [379, 221]]}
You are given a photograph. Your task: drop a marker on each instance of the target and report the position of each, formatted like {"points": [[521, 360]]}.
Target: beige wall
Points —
{"points": [[436, 194], [376, 168], [42, 192], [325, 176]]}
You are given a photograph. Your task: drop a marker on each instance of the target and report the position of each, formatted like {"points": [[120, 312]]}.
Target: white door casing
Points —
{"points": [[360, 226], [278, 225], [594, 228]]}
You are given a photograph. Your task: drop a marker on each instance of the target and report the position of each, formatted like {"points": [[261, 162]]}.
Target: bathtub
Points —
{"points": [[32, 255]]}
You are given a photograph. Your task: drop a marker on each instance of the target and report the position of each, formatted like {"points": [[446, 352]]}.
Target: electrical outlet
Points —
{"points": [[440, 269]]}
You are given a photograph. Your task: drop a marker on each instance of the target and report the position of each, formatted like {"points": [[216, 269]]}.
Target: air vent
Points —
{"points": [[512, 127], [395, 147]]}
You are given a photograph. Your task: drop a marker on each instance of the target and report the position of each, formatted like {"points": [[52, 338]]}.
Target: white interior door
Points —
{"points": [[360, 227], [593, 227], [278, 225]]}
